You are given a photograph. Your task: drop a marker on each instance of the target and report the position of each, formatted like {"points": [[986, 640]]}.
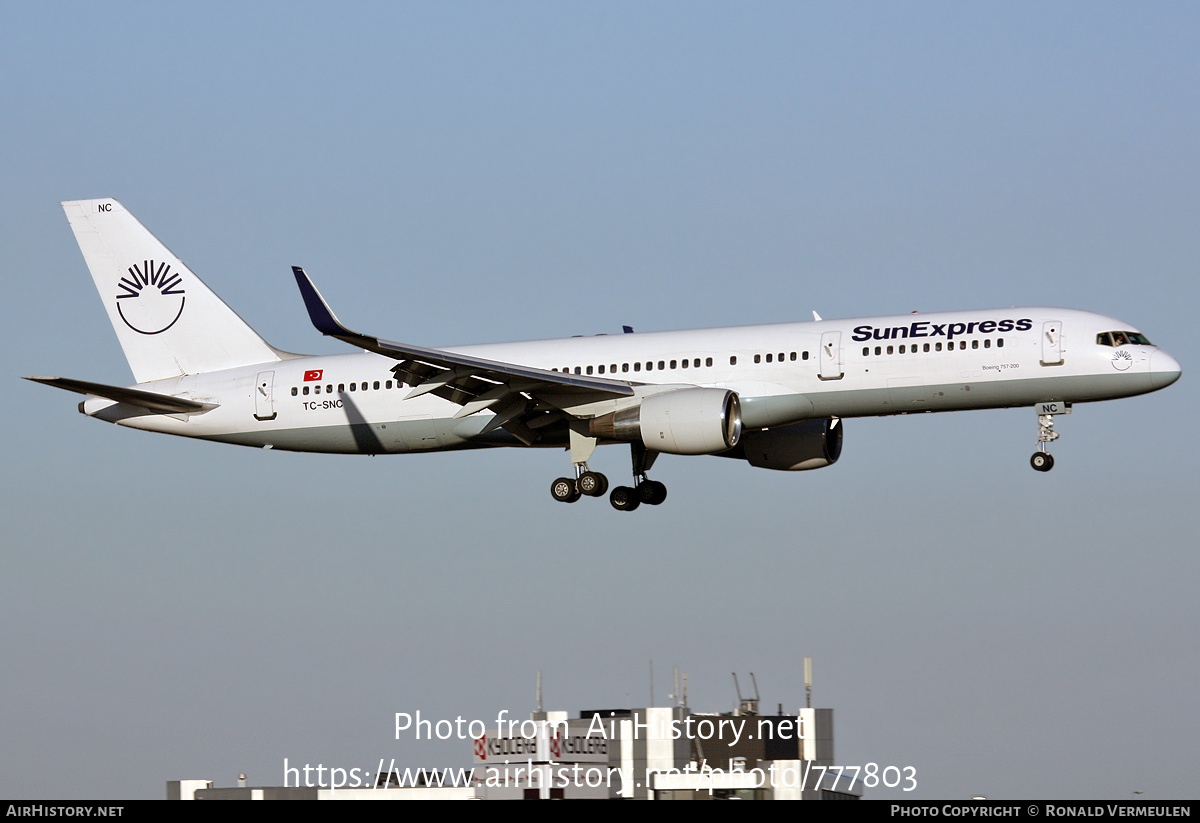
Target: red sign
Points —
{"points": [[315, 374]]}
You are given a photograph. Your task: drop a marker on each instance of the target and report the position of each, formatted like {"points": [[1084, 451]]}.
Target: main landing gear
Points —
{"points": [[586, 482], [1042, 460], [623, 498], [644, 490]]}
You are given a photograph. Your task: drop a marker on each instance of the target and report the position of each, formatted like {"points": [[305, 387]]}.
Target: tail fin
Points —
{"points": [[169, 323]]}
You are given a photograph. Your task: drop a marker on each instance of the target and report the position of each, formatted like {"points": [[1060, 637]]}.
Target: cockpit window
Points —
{"points": [[1122, 338]]}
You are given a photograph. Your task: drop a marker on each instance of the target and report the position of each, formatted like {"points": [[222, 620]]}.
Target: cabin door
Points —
{"points": [[264, 396], [831, 355], [1052, 343]]}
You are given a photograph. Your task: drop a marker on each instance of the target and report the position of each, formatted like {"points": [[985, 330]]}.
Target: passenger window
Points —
{"points": [[624, 367], [376, 385], [878, 350], [708, 361], [758, 358], [696, 362], [295, 391], [889, 349], [937, 346], [601, 369], [661, 365], [578, 370], [637, 366], [733, 360], [649, 365], [926, 347], [974, 344], [317, 389], [672, 364], [341, 388], [902, 349], [768, 358], [589, 369], [1000, 343], [866, 350], [329, 388], [683, 363]]}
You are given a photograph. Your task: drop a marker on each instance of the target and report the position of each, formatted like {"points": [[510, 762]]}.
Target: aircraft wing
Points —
{"points": [[523, 398], [152, 401]]}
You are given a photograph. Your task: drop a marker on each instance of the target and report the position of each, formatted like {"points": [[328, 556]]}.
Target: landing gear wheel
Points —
{"points": [[564, 490], [593, 484], [1042, 461], [652, 492], [624, 499]]}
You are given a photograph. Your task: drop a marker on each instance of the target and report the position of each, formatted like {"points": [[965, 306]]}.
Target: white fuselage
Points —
{"points": [[353, 403]]}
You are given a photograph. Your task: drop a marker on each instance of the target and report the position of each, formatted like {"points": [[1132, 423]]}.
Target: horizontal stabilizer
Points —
{"points": [[158, 403]]}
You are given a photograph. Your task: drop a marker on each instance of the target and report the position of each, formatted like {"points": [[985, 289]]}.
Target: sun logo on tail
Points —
{"points": [[150, 300]]}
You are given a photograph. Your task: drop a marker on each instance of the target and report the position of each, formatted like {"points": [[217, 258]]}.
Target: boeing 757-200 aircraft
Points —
{"points": [[773, 396]]}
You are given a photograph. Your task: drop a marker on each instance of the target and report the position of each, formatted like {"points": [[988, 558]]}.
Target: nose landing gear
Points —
{"points": [[1042, 460]]}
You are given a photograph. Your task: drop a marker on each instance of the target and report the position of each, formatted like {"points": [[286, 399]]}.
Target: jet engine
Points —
{"points": [[684, 421], [812, 444]]}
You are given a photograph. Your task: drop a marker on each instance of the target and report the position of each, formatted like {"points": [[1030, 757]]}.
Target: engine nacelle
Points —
{"points": [[812, 444], [684, 421]]}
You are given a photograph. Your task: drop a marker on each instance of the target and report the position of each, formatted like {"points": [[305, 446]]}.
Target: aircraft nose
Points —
{"points": [[1164, 370]]}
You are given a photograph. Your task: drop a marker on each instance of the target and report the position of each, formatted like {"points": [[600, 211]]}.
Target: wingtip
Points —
{"points": [[318, 310]]}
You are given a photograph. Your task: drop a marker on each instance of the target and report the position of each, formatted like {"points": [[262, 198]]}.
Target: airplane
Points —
{"points": [[774, 396]]}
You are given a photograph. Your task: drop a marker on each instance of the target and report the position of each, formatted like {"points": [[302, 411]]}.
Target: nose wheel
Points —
{"points": [[1042, 461]]}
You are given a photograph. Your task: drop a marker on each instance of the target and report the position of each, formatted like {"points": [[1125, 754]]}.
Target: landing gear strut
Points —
{"points": [[586, 482], [644, 490], [1042, 460]]}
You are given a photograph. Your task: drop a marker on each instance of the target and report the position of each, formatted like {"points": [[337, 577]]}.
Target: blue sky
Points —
{"points": [[480, 172]]}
